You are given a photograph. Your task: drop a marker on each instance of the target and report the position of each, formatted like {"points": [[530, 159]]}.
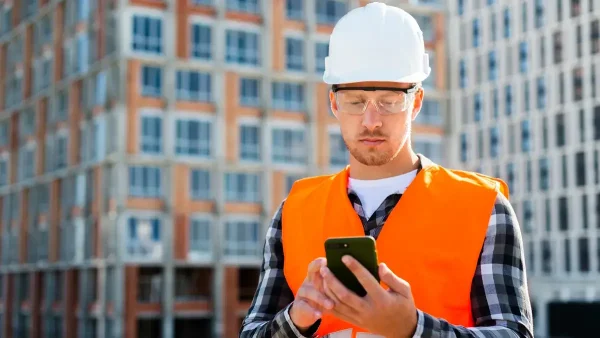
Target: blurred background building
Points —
{"points": [[524, 89], [144, 146]]}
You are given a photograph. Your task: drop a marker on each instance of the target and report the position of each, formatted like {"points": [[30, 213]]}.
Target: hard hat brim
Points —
{"points": [[370, 77]]}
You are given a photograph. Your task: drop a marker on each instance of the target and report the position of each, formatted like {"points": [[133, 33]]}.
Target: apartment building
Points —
{"points": [[525, 107], [144, 146]]}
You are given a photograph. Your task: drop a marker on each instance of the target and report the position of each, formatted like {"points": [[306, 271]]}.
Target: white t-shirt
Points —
{"points": [[373, 192]]}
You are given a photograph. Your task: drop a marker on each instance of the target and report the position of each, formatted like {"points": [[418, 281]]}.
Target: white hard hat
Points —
{"points": [[376, 42]]}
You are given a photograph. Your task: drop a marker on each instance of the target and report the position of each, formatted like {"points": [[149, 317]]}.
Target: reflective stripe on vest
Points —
{"points": [[432, 238]]}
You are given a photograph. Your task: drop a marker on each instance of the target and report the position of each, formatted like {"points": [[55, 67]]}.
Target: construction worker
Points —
{"points": [[449, 241]]}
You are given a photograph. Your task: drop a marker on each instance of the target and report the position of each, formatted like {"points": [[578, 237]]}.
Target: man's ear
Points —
{"points": [[333, 104], [417, 103]]}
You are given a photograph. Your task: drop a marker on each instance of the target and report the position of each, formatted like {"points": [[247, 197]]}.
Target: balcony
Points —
{"points": [[150, 285], [193, 289], [193, 327]]}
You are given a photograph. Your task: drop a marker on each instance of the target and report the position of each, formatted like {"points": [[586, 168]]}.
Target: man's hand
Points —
{"points": [[390, 313], [310, 301]]}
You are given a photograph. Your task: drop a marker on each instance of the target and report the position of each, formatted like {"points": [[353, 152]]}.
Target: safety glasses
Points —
{"points": [[390, 100]]}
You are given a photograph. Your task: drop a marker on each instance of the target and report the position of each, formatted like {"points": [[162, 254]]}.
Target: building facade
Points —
{"points": [[525, 108], [144, 146]]}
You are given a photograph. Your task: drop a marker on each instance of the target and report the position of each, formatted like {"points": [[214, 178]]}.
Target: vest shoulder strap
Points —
{"points": [[483, 180]]}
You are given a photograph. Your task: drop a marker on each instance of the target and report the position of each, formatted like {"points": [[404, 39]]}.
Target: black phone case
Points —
{"points": [[363, 249]]}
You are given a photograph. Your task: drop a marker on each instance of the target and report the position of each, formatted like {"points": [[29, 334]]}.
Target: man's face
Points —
{"points": [[375, 135]]}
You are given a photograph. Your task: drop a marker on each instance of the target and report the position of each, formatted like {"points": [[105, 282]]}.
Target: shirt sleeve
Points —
{"points": [[268, 315], [499, 293]]}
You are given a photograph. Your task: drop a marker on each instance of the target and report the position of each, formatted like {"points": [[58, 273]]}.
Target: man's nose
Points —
{"points": [[371, 117]]}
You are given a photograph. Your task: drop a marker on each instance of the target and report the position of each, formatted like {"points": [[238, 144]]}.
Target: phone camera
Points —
{"points": [[345, 245]]}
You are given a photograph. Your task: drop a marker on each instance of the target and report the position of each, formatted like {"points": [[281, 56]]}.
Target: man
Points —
{"points": [[451, 247]]}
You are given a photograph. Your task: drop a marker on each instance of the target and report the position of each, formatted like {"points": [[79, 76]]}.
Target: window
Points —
{"points": [[495, 103], [557, 47], [199, 236], [565, 172], [461, 7], [544, 174], [508, 105], [528, 176], [82, 45], [577, 84], [294, 9], [541, 93], [560, 130], [548, 214], [4, 165], [200, 184], [584, 211], [463, 147], [507, 23], [546, 257], [526, 96], [321, 52], [194, 86], [545, 133], [145, 181], [294, 52], [201, 41], [525, 136], [249, 92], [27, 161], [595, 37], [241, 238], [494, 141], [510, 176], [477, 106], [144, 236], [151, 140], [330, 11], [193, 137], [250, 142], [584, 254], [288, 96], [582, 123], [528, 216], [563, 213], [147, 34], [539, 13], [249, 6], [523, 57], [242, 187], [430, 148], [493, 70], [338, 152], [580, 169], [242, 47], [426, 24], [476, 33], [430, 113], [567, 252], [462, 69], [288, 146]]}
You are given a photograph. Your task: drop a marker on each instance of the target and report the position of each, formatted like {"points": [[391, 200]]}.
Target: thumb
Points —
{"points": [[395, 283]]}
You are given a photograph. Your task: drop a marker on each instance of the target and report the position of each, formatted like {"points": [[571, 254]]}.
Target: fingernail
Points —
{"points": [[317, 313], [346, 259], [328, 304], [323, 271]]}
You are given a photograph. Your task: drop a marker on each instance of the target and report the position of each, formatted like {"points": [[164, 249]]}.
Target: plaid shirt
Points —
{"points": [[499, 295]]}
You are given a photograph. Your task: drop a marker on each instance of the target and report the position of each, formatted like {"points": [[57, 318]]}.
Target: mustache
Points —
{"points": [[375, 134]]}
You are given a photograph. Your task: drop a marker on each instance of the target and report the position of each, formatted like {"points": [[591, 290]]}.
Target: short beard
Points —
{"points": [[375, 158]]}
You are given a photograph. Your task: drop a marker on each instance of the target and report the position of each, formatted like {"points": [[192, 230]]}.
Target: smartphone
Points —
{"points": [[361, 248]]}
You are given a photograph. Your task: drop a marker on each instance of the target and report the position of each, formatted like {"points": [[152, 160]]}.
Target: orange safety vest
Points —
{"points": [[432, 238]]}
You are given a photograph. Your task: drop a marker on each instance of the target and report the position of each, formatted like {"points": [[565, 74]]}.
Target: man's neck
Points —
{"points": [[405, 162]]}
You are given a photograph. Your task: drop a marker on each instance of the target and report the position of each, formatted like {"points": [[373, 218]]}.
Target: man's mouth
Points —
{"points": [[372, 141]]}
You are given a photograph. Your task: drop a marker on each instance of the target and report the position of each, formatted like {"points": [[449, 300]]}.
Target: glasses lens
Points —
{"points": [[355, 102]]}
